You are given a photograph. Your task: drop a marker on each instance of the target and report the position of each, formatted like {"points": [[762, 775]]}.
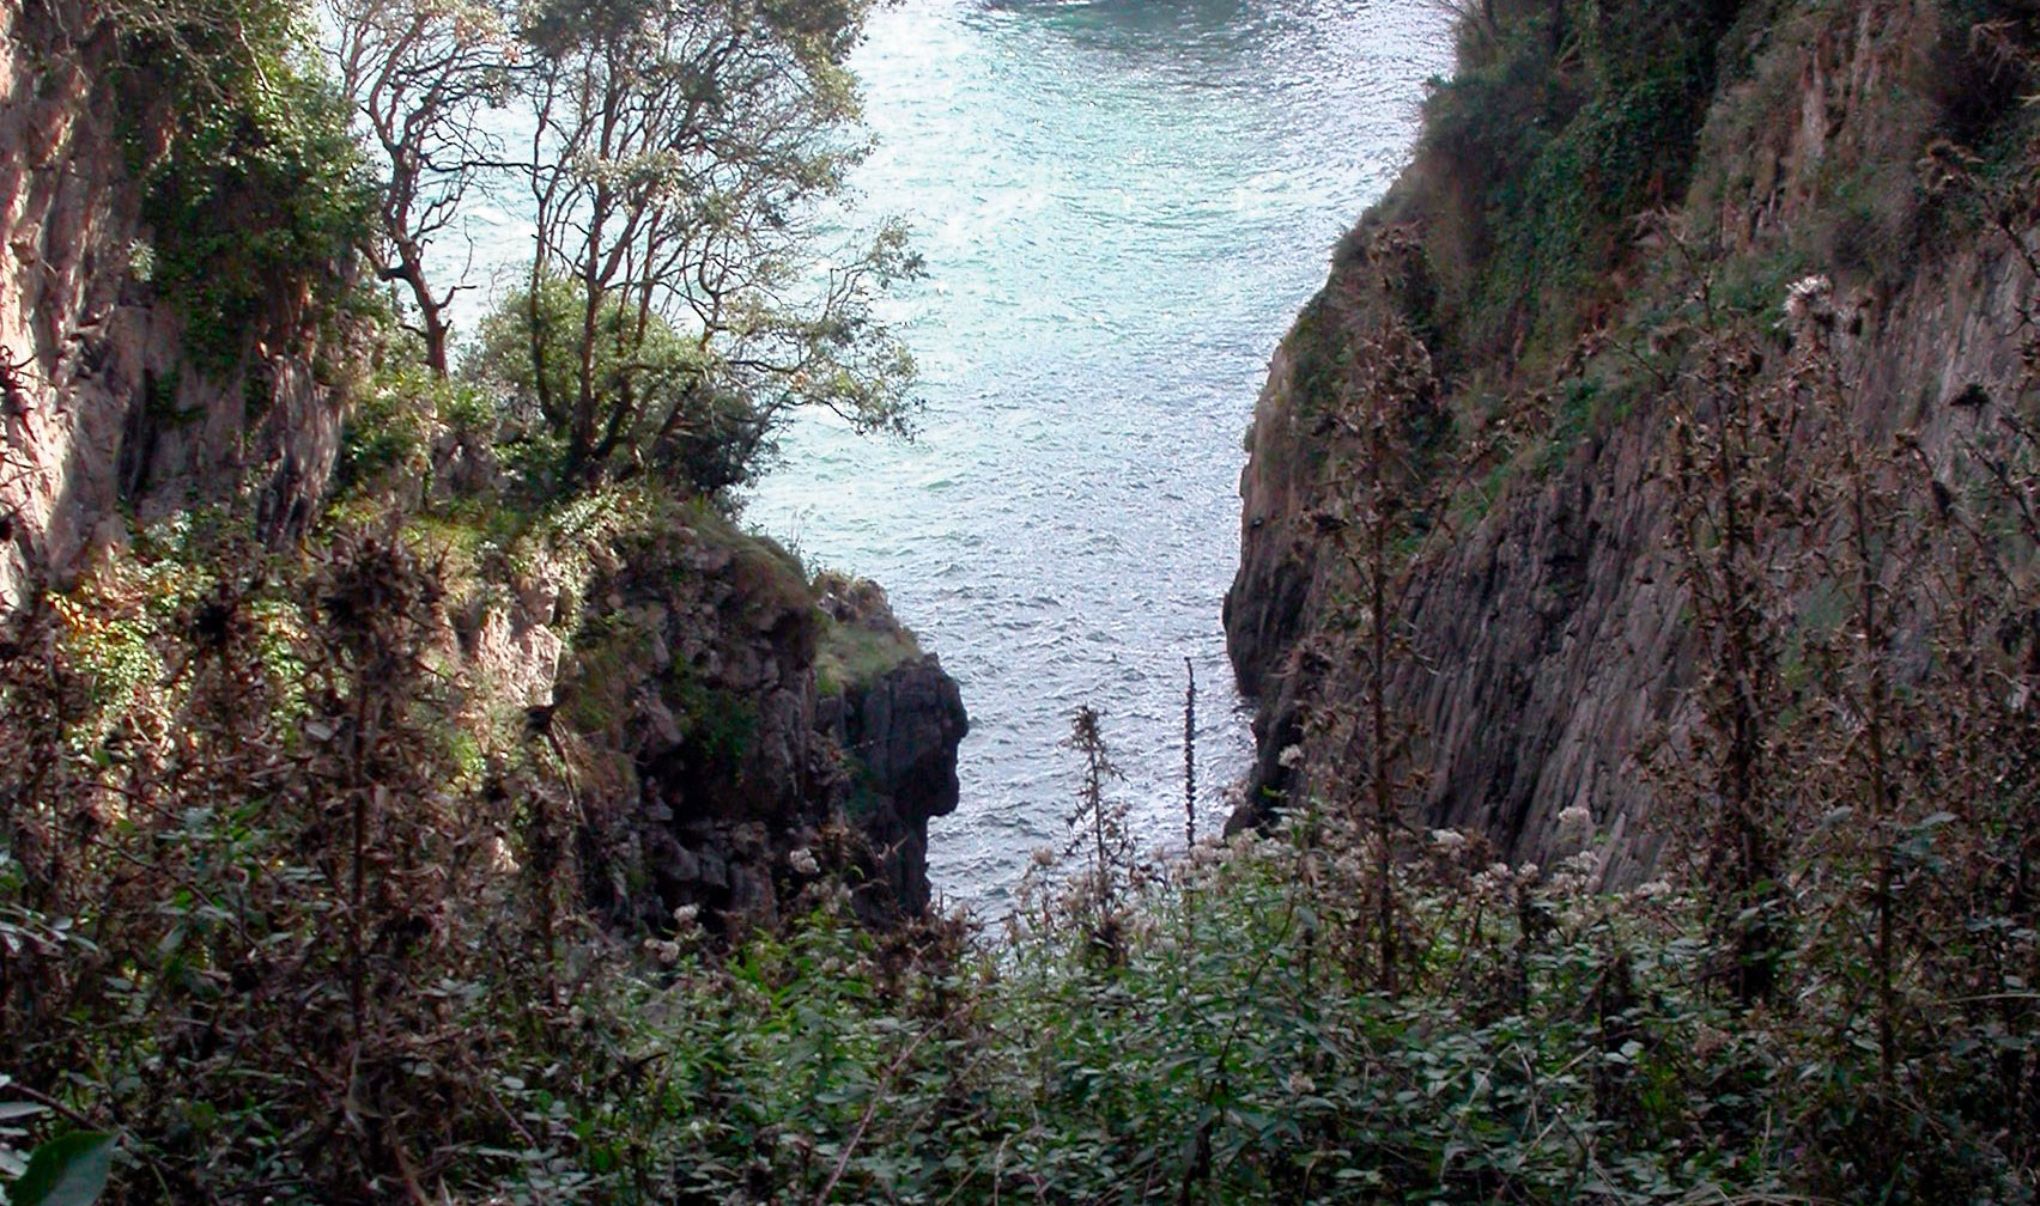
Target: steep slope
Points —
{"points": [[1590, 173], [129, 387], [181, 334]]}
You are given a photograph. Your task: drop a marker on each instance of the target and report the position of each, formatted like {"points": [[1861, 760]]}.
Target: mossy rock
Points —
{"points": [[768, 582], [860, 640], [610, 654], [851, 657]]}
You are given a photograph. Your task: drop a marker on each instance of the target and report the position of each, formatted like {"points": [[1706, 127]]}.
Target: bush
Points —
{"points": [[1573, 119], [309, 984], [349, 970]]}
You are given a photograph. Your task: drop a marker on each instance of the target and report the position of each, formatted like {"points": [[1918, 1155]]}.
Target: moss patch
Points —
{"points": [[852, 657]]}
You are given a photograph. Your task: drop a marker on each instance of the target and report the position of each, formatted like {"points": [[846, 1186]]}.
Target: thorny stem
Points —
{"points": [[1880, 778], [1190, 756], [357, 986], [1384, 803]]}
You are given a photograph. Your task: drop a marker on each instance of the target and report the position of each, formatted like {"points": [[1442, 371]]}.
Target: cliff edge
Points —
{"points": [[188, 348], [150, 364], [1589, 180]]}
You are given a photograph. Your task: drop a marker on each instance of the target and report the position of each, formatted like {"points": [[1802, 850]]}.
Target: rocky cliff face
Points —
{"points": [[105, 412], [681, 658], [897, 719], [724, 766], [1550, 635]]}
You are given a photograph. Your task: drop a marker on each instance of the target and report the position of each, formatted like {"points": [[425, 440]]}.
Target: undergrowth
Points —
{"points": [[289, 963], [273, 921]]}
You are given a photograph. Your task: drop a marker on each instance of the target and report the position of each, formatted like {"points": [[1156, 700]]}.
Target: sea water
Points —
{"points": [[1121, 205]]}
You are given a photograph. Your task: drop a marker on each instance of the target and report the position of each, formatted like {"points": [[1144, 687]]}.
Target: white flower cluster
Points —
{"points": [[1807, 293], [835, 897], [1494, 883], [1576, 875], [803, 862], [1448, 839], [1575, 826], [501, 860]]}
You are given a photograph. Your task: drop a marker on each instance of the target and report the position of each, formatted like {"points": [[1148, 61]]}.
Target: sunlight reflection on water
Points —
{"points": [[1121, 204]]}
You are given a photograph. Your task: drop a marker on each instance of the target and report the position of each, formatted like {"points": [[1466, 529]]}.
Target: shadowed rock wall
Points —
{"points": [[1550, 637]]}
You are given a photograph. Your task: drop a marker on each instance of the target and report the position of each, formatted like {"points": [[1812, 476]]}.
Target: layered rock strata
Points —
{"points": [[1551, 638]]}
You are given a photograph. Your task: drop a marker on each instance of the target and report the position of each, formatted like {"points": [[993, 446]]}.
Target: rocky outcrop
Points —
{"points": [[1550, 637], [898, 726], [672, 663], [675, 666], [105, 413], [720, 773]]}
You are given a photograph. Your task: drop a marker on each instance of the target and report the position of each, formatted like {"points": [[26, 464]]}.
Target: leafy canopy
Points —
{"points": [[683, 165]]}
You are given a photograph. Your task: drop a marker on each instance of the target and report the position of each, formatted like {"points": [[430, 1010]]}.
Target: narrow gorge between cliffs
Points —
{"points": [[1121, 206]]}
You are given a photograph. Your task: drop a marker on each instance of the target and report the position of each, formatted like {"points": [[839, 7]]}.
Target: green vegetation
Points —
{"points": [[851, 656], [388, 437], [1563, 121], [708, 301], [594, 699], [1230, 1043], [690, 287], [287, 910], [254, 192], [287, 782], [680, 425], [71, 1170], [283, 919], [1845, 800]]}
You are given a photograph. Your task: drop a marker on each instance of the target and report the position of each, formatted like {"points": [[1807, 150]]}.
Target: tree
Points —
{"points": [[420, 75], [681, 157], [686, 429]]}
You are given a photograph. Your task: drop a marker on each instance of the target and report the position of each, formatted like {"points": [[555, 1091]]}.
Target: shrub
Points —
{"points": [[318, 912]]}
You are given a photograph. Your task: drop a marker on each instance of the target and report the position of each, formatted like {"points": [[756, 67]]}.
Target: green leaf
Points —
{"points": [[66, 1171]]}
